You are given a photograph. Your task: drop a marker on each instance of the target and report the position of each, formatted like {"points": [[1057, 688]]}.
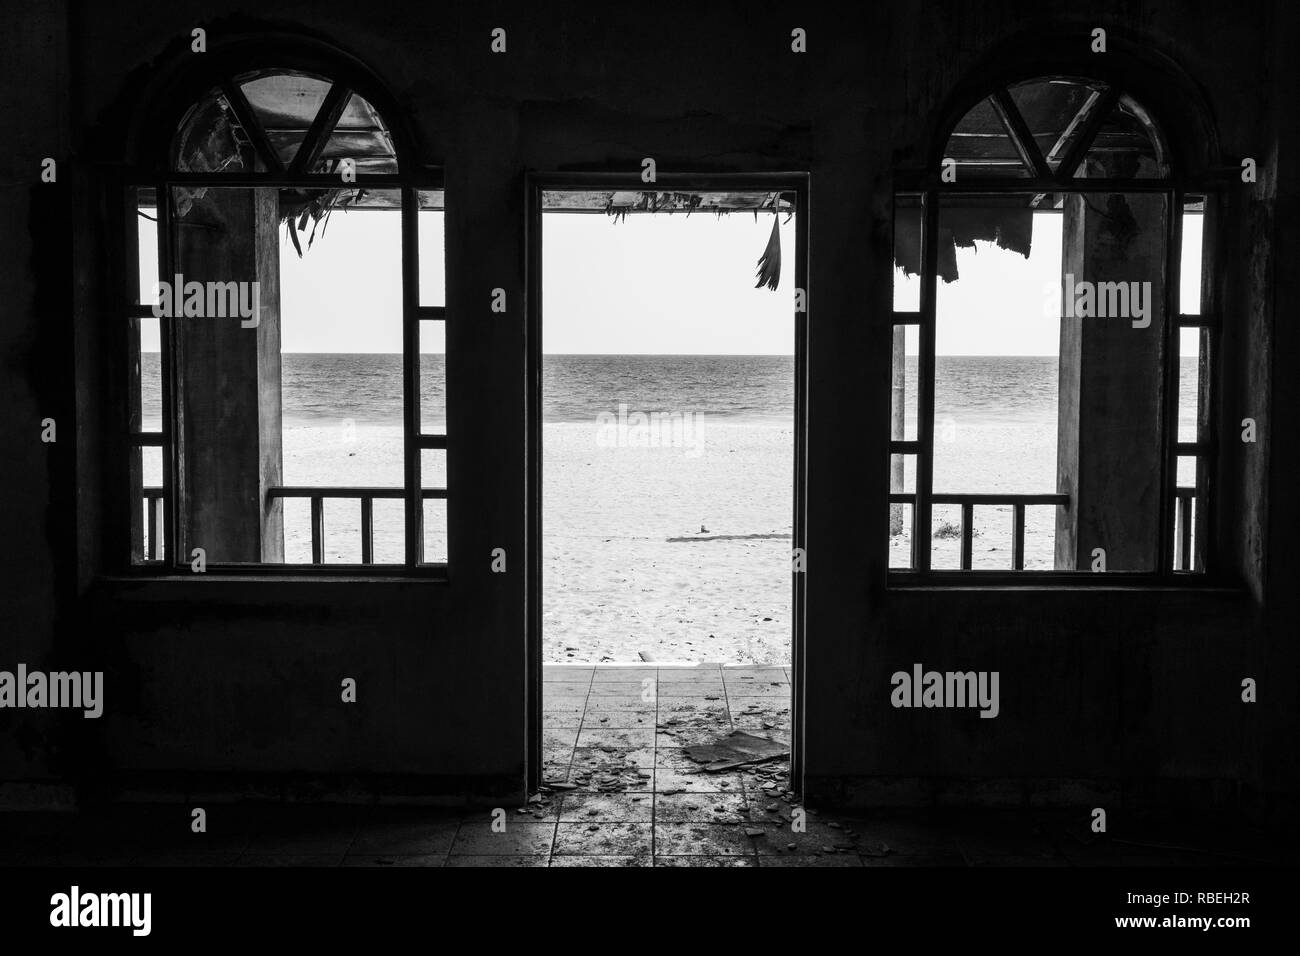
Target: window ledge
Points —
{"points": [[268, 590], [1076, 583]]}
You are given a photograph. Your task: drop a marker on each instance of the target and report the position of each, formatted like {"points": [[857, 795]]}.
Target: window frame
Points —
{"points": [[928, 186], [157, 173]]}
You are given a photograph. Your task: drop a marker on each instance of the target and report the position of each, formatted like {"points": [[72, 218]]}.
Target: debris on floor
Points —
{"points": [[736, 749]]}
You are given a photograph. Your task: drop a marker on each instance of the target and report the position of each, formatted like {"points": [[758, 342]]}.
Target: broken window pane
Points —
{"points": [[211, 140], [1127, 146], [981, 146], [1054, 110]]}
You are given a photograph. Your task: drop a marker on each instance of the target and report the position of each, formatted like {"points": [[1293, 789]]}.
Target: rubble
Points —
{"points": [[736, 749]]}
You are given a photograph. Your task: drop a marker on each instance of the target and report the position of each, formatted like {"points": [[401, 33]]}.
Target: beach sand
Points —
{"points": [[626, 567]]}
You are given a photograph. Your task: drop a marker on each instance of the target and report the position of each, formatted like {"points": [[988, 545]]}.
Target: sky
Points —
{"points": [[1003, 303], [660, 284], [650, 284]]}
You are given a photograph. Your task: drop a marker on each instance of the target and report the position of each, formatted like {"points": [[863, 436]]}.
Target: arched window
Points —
{"points": [[1050, 383], [286, 349]]}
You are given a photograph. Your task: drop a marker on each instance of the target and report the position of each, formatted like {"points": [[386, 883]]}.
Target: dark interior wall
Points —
{"points": [[223, 676], [36, 507]]}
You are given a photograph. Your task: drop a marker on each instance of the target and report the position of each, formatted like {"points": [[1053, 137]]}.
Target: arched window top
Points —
{"points": [[279, 120], [1061, 128]]}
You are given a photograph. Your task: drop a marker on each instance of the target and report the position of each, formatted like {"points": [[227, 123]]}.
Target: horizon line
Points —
{"points": [[699, 354]]}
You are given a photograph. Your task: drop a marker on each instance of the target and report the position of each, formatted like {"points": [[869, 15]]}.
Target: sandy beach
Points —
{"points": [[627, 568]]}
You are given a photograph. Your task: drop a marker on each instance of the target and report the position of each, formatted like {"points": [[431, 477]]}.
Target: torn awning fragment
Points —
{"points": [[736, 749], [1008, 222]]}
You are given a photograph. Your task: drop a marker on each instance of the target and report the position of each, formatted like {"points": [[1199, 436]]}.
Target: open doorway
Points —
{"points": [[666, 345]]}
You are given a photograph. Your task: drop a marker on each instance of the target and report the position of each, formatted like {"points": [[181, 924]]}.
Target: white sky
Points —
{"points": [[653, 285], [660, 284]]}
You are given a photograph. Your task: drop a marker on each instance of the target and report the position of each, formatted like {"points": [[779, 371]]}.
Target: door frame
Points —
{"points": [[535, 183]]}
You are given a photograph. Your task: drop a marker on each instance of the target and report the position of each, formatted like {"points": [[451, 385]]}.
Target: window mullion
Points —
{"points": [[1173, 362], [925, 383], [322, 126], [167, 373], [1091, 126], [411, 376]]}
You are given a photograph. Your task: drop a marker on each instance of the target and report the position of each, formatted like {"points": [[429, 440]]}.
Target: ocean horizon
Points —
{"points": [[366, 387]]}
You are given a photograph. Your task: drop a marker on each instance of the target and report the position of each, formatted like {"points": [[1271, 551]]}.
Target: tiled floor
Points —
{"points": [[622, 792]]}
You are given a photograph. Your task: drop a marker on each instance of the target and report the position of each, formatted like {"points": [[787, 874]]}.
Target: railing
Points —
{"points": [[367, 497], [968, 503], [154, 498]]}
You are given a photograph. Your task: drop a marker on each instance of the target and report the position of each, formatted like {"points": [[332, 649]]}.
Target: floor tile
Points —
{"points": [[599, 735], [605, 674], [519, 838], [579, 807], [567, 674], [601, 861], [702, 839], [541, 859], [702, 808], [625, 690], [602, 839], [705, 861], [618, 719], [669, 780]]}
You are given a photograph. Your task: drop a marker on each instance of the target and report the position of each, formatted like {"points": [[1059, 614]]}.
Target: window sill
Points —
{"points": [[263, 589], [1047, 581], [435, 574], [1058, 580]]}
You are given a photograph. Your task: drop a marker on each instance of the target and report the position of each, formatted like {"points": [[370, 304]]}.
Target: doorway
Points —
{"points": [[666, 459]]}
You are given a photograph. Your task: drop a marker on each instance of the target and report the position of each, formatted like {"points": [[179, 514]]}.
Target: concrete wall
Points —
{"points": [[1131, 693]]}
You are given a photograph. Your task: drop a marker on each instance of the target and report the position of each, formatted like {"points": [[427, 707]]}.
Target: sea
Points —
{"points": [[322, 388]]}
